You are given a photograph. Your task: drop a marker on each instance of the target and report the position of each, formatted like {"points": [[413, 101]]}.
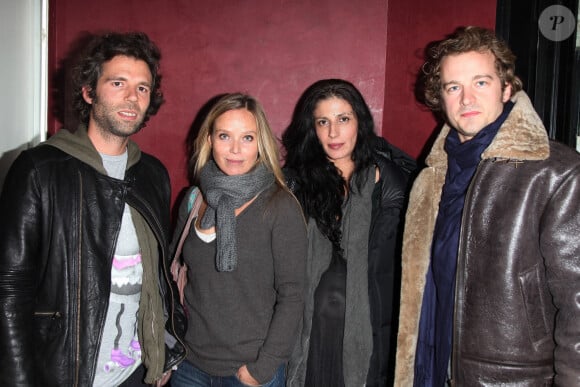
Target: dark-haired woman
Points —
{"points": [[352, 186]]}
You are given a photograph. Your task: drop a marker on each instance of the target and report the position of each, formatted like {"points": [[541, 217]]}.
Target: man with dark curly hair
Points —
{"points": [[85, 289], [491, 272]]}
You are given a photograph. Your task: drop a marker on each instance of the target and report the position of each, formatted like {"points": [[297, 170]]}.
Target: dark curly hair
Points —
{"points": [[319, 185], [102, 49], [462, 40]]}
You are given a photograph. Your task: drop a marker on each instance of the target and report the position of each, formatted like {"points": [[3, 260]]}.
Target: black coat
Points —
{"points": [[389, 203]]}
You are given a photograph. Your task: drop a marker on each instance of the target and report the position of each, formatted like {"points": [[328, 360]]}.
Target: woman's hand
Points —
{"points": [[245, 377]]}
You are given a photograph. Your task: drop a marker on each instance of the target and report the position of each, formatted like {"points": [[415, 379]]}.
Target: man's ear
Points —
{"points": [[86, 95], [506, 93]]}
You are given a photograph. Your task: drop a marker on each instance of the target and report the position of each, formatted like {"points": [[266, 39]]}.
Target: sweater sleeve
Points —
{"points": [[289, 249]]}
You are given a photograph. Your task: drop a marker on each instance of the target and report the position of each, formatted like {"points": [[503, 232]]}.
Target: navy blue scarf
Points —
{"points": [[436, 323]]}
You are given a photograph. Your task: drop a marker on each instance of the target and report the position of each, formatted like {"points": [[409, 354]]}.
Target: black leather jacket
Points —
{"points": [[390, 196], [60, 222]]}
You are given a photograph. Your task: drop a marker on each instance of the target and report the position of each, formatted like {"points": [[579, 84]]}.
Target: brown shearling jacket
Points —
{"points": [[517, 302]]}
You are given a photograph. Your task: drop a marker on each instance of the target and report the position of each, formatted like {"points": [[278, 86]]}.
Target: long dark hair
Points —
{"points": [[319, 185], [102, 49]]}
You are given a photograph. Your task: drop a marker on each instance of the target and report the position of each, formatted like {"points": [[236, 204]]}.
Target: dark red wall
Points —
{"points": [[272, 50]]}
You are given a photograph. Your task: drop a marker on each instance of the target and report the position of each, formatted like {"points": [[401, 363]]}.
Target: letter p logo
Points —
{"points": [[557, 23]]}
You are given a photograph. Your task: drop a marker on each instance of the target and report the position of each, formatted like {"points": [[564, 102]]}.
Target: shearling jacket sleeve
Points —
{"points": [[561, 249], [20, 233]]}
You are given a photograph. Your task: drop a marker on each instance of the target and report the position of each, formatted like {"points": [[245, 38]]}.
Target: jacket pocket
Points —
{"points": [[48, 324], [535, 305]]}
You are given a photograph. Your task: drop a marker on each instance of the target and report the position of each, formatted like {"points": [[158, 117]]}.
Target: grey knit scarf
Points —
{"points": [[224, 194]]}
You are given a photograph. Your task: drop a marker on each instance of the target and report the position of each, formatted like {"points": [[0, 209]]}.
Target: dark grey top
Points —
{"points": [[251, 315]]}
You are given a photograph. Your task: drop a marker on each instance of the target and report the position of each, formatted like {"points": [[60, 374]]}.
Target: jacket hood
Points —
{"points": [[79, 146], [522, 136]]}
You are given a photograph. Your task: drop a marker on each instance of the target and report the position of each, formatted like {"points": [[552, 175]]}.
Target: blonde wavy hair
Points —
{"points": [[268, 150]]}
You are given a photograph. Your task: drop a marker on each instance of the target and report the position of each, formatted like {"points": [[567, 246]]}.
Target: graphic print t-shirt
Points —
{"points": [[120, 351]]}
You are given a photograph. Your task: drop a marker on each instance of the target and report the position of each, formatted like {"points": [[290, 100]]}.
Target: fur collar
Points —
{"points": [[521, 137]]}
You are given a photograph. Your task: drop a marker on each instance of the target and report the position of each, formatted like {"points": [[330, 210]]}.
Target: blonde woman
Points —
{"points": [[245, 252]]}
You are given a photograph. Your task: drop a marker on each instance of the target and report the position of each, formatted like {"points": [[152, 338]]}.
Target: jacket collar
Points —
{"points": [[521, 137]]}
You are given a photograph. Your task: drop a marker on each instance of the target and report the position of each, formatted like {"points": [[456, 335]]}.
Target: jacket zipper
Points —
{"points": [[78, 294], [48, 314]]}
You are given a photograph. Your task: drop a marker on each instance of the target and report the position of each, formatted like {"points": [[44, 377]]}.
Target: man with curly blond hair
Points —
{"points": [[491, 269]]}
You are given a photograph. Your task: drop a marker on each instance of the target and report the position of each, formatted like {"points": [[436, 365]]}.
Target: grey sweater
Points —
{"points": [[251, 315]]}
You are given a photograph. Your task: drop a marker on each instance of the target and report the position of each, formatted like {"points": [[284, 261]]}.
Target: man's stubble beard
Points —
{"points": [[105, 117]]}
